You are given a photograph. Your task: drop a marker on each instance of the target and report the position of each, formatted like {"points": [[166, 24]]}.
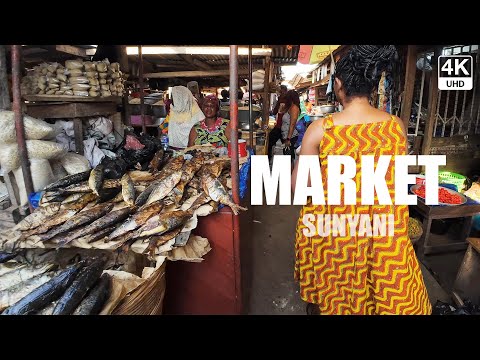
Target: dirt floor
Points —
{"points": [[273, 289]]}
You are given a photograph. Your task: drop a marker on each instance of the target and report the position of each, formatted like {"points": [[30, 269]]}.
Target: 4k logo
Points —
{"points": [[455, 72]]}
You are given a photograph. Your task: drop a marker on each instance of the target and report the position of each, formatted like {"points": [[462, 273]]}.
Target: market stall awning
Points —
{"points": [[309, 84], [314, 54]]}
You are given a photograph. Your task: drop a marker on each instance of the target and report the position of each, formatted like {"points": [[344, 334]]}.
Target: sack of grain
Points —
{"points": [[42, 175], [89, 66], [74, 163], [37, 149], [93, 93], [57, 169], [62, 77], [80, 87], [52, 80], [73, 64], [115, 66], [92, 74], [74, 72], [80, 93], [34, 128], [78, 80], [102, 67], [68, 92]]}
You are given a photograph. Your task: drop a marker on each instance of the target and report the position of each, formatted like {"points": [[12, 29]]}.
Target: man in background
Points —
{"points": [[278, 110]]}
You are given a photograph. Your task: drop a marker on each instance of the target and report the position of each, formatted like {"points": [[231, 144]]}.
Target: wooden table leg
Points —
{"points": [[467, 227], [78, 132], [455, 246], [423, 243]]}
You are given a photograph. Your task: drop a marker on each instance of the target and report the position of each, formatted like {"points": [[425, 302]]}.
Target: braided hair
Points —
{"points": [[361, 68]]}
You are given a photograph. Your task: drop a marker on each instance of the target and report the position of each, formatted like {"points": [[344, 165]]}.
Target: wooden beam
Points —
{"points": [[195, 62], [72, 50], [432, 104], [202, 73], [5, 103], [410, 71]]}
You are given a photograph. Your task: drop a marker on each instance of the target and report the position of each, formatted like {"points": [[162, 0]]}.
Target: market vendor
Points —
{"points": [[184, 113], [212, 129]]}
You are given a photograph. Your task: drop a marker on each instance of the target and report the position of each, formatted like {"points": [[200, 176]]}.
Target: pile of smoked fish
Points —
{"points": [[149, 206], [45, 289]]}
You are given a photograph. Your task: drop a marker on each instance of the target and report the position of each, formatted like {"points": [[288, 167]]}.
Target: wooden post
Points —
{"points": [[266, 93], [123, 60], [78, 132], [432, 104], [410, 71], [5, 103]]}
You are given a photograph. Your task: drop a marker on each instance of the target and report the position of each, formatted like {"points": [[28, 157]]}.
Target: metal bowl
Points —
{"points": [[327, 109], [316, 117]]}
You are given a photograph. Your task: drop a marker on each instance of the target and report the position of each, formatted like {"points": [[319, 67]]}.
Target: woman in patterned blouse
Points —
{"points": [[213, 129]]}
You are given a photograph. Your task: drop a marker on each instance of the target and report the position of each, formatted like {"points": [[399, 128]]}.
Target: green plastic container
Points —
{"points": [[452, 178]]}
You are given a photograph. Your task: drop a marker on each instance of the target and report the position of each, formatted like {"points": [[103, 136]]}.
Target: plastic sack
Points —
{"points": [[243, 176], [42, 175], [92, 152], [101, 124], [74, 72], [73, 64], [80, 93], [34, 128], [89, 66], [132, 143], [37, 149], [78, 80], [74, 163], [57, 169]]}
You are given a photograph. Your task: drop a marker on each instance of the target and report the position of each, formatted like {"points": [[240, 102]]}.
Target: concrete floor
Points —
{"points": [[274, 291]]}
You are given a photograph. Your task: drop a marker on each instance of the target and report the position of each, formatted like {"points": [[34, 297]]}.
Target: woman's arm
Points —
{"points": [[310, 146], [192, 136], [228, 130], [294, 111]]}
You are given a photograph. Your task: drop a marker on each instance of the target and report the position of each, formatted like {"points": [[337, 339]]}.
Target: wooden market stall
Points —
{"points": [[220, 283]]}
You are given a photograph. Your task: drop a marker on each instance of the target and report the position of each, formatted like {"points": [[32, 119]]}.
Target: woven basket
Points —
{"points": [[452, 178], [146, 299], [417, 237]]}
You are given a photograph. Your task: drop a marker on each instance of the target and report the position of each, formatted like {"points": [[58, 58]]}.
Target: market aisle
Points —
{"points": [[274, 292]]}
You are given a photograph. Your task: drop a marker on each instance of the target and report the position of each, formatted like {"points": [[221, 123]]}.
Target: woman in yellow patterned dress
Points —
{"points": [[357, 273]]}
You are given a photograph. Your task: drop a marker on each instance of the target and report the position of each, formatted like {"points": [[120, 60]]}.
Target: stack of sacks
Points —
{"points": [[39, 151], [78, 77]]}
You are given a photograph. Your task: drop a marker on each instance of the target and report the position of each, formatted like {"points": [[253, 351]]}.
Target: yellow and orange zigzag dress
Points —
{"points": [[357, 274]]}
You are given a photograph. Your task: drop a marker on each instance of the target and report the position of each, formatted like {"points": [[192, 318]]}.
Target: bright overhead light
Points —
{"points": [[195, 50]]}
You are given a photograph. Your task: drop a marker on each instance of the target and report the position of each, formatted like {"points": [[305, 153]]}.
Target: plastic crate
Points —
{"points": [[452, 178]]}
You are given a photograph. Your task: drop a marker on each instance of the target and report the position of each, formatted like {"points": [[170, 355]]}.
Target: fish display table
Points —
{"points": [[220, 284]]}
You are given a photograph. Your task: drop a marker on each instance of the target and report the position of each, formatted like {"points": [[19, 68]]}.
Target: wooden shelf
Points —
{"points": [[68, 98]]}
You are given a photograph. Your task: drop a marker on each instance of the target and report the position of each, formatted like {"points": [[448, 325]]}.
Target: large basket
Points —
{"points": [[415, 237], [146, 299], [452, 178]]}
